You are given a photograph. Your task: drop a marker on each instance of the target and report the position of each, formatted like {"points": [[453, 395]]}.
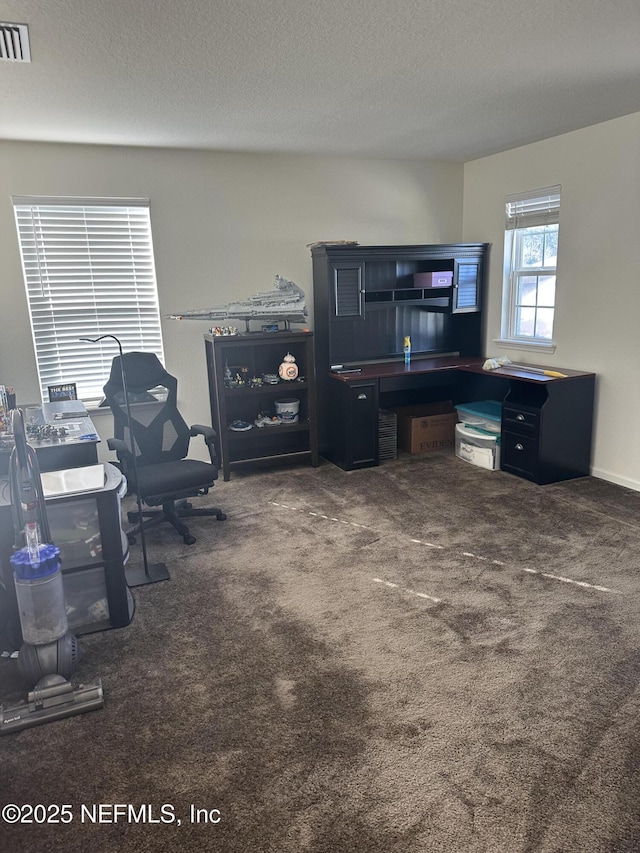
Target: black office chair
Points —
{"points": [[161, 440]]}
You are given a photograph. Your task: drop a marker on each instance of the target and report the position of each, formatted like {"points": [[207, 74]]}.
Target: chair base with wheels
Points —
{"points": [[171, 512]]}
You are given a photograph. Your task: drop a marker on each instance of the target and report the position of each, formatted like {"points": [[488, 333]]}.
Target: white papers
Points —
{"points": [[73, 481]]}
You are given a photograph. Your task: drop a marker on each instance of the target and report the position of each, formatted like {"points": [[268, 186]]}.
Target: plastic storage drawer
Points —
{"points": [[485, 413], [478, 448]]}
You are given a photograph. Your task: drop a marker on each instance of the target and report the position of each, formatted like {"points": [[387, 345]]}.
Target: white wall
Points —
{"points": [[224, 224], [598, 286]]}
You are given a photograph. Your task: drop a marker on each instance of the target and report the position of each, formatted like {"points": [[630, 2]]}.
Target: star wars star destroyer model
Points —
{"points": [[286, 304]]}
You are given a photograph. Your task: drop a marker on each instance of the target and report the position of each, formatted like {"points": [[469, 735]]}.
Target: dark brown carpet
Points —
{"points": [[425, 656]]}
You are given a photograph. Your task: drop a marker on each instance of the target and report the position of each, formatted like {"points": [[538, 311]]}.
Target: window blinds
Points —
{"points": [[538, 207], [89, 270]]}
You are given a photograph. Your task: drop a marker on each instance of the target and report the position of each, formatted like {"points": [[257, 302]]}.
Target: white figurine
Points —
{"points": [[288, 369]]}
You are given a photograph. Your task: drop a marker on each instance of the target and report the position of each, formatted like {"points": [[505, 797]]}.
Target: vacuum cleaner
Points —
{"points": [[50, 652]]}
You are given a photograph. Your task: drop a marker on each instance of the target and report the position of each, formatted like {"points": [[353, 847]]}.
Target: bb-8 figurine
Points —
{"points": [[288, 369]]}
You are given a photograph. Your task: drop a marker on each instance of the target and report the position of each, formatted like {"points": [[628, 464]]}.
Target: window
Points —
{"points": [[89, 271], [531, 255]]}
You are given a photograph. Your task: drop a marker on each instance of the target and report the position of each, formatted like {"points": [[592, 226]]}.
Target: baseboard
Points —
{"points": [[627, 482]]}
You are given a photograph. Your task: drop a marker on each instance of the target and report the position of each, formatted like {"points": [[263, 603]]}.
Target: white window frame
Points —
{"points": [[533, 209], [88, 270]]}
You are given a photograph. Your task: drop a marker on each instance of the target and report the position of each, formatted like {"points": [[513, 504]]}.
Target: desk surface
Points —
{"points": [[510, 371], [76, 430], [417, 366], [78, 446], [469, 364]]}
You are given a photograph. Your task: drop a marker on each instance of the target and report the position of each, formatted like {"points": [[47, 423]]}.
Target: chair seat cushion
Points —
{"points": [[170, 478]]}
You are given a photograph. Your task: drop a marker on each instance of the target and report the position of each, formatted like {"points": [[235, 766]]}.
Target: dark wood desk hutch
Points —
{"points": [[368, 298]]}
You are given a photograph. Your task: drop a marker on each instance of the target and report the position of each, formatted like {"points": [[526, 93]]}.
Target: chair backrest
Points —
{"points": [[160, 433]]}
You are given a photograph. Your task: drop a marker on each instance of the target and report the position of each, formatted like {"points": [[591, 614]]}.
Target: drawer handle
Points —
{"points": [[362, 396], [519, 446], [519, 417]]}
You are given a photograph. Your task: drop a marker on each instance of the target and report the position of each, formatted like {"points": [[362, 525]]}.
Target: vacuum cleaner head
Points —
{"points": [[53, 698]]}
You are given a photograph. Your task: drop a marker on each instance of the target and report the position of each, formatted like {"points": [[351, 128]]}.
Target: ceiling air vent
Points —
{"points": [[14, 42]]}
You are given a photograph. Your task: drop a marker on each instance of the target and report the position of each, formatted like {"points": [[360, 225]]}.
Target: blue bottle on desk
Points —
{"points": [[407, 349]]}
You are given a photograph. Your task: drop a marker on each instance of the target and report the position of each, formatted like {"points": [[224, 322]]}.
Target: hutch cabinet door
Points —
{"points": [[353, 426], [348, 289], [467, 286]]}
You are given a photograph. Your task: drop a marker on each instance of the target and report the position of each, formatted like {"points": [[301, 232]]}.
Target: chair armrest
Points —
{"points": [[209, 434], [125, 457], [119, 446]]}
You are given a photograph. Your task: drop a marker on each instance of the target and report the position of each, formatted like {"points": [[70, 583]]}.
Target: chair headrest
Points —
{"points": [[143, 370]]}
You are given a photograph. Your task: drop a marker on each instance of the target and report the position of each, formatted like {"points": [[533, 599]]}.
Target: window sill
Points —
{"points": [[534, 346]]}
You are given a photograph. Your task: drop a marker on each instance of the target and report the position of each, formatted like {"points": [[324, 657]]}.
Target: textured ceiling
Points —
{"points": [[452, 79]]}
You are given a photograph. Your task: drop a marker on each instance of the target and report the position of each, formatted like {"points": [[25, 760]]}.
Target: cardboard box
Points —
{"points": [[433, 279], [426, 428]]}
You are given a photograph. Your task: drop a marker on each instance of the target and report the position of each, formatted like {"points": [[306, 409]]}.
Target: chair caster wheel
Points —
{"points": [[189, 540], [132, 517], [221, 516], [131, 539]]}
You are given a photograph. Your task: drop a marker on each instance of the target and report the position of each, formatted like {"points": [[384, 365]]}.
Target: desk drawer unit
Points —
{"points": [[521, 440], [521, 418], [520, 453], [546, 428]]}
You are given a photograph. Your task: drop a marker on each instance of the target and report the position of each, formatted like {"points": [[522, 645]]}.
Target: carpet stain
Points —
{"points": [[285, 691]]}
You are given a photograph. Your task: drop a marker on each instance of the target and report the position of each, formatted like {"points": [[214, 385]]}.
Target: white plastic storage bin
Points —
{"points": [[479, 448], [485, 413]]}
